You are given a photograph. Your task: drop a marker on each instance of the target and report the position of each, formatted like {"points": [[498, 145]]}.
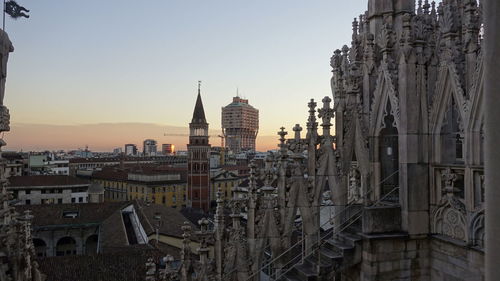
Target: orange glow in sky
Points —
{"points": [[104, 137], [121, 74]]}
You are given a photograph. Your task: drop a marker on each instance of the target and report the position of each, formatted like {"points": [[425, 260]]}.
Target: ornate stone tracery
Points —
{"points": [[409, 77], [450, 217]]}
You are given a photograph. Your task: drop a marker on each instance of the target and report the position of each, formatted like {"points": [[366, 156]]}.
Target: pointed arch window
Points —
{"points": [[452, 135], [389, 157]]}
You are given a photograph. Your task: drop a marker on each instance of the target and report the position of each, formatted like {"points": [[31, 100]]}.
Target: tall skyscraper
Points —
{"points": [[240, 124], [149, 147], [130, 149], [167, 149], [198, 159]]}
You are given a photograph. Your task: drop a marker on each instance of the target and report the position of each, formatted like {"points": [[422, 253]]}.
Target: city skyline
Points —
{"points": [[132, 66], [373, 163]]}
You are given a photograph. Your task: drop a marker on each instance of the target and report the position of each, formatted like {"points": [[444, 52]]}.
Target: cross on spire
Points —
{"points": [[282, 133], [297, 129], [311, 122]]}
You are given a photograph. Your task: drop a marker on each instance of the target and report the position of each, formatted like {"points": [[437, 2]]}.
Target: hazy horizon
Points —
{"points": [[75, 66], [21, 136]]}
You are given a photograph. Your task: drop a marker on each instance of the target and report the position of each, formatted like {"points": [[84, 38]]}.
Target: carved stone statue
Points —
{"points": [[6, 47]]}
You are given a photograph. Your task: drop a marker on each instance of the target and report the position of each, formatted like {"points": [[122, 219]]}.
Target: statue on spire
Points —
{"points": [[6, 47]]}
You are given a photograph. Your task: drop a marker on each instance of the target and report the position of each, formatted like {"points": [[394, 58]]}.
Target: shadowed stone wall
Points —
{"points": [[452, 262]]}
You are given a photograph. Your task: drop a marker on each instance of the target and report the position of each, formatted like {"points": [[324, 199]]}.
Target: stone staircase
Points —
{"points": [[335, 254]]}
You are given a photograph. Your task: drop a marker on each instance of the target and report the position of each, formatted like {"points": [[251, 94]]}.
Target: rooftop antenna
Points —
{"points": [[237, 92]]}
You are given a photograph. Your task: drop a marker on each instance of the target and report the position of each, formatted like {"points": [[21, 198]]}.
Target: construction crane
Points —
{"points": [[186, 135], [222, 150], [221, 140], [175, 135]]}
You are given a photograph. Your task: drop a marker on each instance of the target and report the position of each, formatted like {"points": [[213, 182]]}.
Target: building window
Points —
{"points": [[59, 201], [40, 247], [28, 191], [80, 199], [66, 246], [452, 135], [73, 200], [28, 202], [70, 214], [163, 199]]}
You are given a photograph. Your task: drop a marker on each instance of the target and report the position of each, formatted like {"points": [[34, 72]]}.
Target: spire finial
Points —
{"points": [[199, 86], [326, 113], [297, 129], [355, 25], [282, 133], [426, 7]]}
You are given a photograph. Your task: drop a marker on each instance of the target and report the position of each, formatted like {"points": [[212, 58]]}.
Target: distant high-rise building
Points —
{"points": [[167, 149], [149, 147], [117, 150], [198, 159], [240, 124], [130, 149]]}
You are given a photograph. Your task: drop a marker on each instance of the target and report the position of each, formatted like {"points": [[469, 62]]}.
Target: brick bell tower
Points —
{"points": [[198, 158]]}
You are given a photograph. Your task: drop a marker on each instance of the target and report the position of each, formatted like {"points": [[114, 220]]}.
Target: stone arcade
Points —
{"points": [[403, 172]]}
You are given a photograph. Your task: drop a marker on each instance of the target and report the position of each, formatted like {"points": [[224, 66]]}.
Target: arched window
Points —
{"points": [[66, 246], [389, 157], [40, 247], [91, 244], [452, 136]]}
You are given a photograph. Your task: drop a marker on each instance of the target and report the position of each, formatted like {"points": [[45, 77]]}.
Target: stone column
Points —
{"points": [[219, 235], [413, 172], [492, 136]]}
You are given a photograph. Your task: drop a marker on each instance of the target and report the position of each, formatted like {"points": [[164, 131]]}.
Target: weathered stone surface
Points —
{"points": [[381, 219], [408, 110]]}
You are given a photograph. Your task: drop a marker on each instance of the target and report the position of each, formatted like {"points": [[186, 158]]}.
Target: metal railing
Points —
{"points": [[298, 259], [324, 238]]}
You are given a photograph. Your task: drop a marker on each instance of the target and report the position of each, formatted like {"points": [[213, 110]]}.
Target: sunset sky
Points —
{"points": [[106, 73]]}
